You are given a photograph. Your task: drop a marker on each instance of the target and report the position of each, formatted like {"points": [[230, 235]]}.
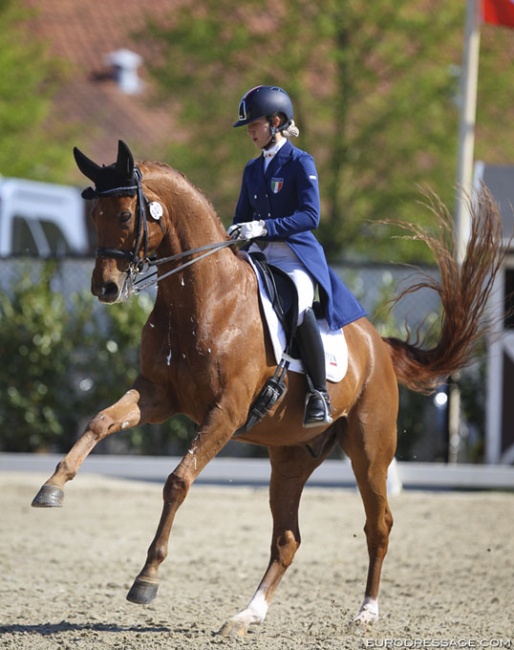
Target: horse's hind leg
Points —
{"points": [[291, 467], [135, 407], [370, 444]]}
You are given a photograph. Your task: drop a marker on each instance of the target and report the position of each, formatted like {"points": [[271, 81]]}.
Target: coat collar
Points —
{"points": [[283, 154]]}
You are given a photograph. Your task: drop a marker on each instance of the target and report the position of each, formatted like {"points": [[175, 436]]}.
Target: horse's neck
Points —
{"points": [[192, 220], [201, 287], [200, 296]]}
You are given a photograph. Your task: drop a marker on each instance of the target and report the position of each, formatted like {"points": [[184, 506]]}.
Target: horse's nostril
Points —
{"points": [[110, 289], [106, 292]]}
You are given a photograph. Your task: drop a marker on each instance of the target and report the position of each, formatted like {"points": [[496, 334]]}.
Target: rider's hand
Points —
{"points": [[247, 230]]}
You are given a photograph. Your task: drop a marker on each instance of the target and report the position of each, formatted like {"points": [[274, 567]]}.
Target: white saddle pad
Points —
{"points": [[336, 348]]}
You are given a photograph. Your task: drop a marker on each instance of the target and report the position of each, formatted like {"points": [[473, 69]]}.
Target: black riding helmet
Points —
{"points": [[264, 101]]}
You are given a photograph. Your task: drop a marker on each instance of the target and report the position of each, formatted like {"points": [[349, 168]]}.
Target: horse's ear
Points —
{"points": [[89, 168], [125, 161]]}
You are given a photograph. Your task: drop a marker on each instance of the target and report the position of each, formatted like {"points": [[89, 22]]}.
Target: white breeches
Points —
{"points": [[281, 255]]}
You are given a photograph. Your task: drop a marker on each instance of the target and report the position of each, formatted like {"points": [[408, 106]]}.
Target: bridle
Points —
{"points": [[136, 263]]}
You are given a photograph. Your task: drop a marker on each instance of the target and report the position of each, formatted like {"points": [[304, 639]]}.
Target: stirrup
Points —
{"points": [[323, 416]]}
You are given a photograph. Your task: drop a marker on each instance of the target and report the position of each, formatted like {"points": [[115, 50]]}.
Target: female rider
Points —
{"points": [[279, 207]]}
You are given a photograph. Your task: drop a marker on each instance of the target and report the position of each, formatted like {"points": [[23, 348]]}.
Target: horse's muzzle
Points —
{"points": [[109, 292], [110, 284]]}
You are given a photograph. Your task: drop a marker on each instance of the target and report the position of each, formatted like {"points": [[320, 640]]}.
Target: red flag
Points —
{"points": [[498, 12]]}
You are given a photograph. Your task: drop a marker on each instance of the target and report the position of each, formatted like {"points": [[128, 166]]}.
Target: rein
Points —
{"points": [[138, 264], [144, 283]]}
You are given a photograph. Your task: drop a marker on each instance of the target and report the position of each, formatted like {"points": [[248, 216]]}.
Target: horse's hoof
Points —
{"points": [[233, 630], [142, 592], [49, 496], [368, 615]]}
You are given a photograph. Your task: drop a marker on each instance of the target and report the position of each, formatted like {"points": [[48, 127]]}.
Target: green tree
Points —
{"points": [[29, 80], [494, 141], [373, 95]]}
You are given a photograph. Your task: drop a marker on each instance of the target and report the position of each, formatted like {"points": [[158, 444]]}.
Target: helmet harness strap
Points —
{"points": [[274, 130]]}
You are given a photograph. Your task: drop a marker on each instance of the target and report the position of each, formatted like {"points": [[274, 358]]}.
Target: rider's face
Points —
{"points": [[259, 132]]}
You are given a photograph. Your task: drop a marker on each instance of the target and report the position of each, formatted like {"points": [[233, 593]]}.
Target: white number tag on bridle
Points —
{"points": [[156, 210]]}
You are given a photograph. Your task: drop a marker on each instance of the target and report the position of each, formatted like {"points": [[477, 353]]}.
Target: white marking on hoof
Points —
{"points": [[368, 613], [253, 614]]}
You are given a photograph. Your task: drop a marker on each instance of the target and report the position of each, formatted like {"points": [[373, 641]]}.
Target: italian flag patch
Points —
{"points": [[276, 185]]}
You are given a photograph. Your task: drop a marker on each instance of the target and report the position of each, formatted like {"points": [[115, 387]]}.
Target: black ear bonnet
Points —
{"points": [[120, 178]]}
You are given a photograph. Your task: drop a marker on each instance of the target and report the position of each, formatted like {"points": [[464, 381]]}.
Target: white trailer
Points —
{"points": [[41, 219]]}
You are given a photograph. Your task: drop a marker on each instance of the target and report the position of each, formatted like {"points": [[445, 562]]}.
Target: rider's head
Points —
{"points": [[270, 102]]}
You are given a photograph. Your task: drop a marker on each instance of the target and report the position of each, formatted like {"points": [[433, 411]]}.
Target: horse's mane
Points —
{"points": [[163, 169], [154, 171]]}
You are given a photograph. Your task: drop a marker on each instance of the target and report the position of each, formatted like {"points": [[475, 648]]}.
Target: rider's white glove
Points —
{"points": [[247, 230]]}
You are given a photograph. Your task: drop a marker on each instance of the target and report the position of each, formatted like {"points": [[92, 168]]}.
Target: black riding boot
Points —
{"points": [[317, 406]]}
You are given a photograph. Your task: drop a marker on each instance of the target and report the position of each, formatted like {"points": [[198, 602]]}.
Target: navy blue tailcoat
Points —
{"points": [[286, 197]]}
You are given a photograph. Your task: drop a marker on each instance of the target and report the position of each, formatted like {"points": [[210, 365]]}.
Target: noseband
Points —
{"points": [[137, 263]]}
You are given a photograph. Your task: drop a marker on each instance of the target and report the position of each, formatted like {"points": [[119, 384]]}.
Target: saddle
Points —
{"points": [[282, 294], [280, 310], [284, 298]]}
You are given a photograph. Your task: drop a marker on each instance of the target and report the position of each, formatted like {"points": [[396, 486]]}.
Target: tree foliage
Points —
{"points": [[29, 80], [373, 94], [376, 93]]}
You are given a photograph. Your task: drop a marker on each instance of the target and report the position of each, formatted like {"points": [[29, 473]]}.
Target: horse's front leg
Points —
{"points": [[213, 434], [137, 406], [291, 467]]}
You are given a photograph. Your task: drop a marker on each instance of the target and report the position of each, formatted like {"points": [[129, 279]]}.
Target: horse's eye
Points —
{"points": [[125, 217]]}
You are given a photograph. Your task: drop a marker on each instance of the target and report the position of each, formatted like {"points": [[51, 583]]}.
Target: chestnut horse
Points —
{"points": [[205, 353]]}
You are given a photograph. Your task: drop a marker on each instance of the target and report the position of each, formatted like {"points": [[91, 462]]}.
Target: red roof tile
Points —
{"points": [[83, 34]]}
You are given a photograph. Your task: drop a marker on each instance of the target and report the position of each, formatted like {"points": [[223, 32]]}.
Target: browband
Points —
{"points": [[93, 193]]}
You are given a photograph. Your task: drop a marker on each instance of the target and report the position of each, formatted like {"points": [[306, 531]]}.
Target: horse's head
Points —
{"points": [[126, 223]]}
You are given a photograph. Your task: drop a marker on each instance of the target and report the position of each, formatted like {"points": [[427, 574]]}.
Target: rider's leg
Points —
{"points": [[308, 336], [317, 409]]}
